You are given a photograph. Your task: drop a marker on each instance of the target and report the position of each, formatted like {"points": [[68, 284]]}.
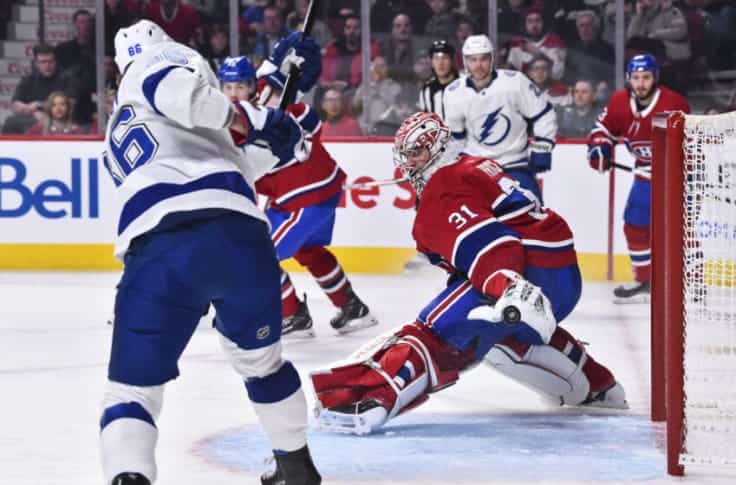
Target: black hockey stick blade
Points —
{"points": [[621, 166], [289, 92]]}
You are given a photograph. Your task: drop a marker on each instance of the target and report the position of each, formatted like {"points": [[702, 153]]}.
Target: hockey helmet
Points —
{"points": [[642, 63], [477, 44], [236, 69], [441, 46], [421, 130], [132, 41]]}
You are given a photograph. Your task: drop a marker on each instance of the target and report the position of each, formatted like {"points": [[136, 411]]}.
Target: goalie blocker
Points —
{"points": [[397, 372]]}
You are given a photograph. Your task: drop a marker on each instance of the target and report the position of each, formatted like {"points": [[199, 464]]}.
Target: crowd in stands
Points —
{"points": [[564, 46]]}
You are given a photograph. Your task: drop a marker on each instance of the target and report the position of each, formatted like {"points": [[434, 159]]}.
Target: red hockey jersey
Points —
{"points": [[622, 120], [295, 185], [475, 219]]}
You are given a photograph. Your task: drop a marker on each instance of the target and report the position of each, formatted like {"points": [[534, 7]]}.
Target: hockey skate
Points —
{"points": [[612, 398], [354, 315], [293, 468], [299, 325], [359, 418], [634, 292], [130, 479]]}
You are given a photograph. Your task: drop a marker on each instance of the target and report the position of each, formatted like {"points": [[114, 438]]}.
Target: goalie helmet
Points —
{"points": [[132, 41], [421, 130]]}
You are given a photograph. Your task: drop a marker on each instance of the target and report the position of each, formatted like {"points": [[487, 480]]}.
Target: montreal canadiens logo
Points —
{"points": [[642, 150], [493, 128]]}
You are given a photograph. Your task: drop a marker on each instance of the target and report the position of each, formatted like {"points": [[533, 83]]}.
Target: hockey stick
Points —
{"points": [[374, 183], [621, 166], [288, 94]]}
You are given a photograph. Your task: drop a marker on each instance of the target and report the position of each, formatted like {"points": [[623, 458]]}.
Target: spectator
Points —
{"points": [[465, 28], [341, 64], [589, 57], [400, 50], [658, 21], [609, 19], [510, 19], [576, 120], [377, 96], [34, 89], [537, 42], [391, 119], [273, 31], [295, 21], [179, 20], [432, 94], [218, 46], [719, 36], [117, 16], [252, 18], [443, 22], [559, 15], [76, 58], [538, 71], [56, 117], [384, 11], [336, 122]]}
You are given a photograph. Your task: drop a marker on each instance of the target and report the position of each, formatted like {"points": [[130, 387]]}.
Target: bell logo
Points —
{"points": [[52, 198]]}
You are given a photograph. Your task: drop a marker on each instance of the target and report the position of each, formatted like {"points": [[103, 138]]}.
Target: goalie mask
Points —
{"points": [[419, 132]]}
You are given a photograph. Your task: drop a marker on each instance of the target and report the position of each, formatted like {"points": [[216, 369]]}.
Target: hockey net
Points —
{"points": [[694, 287]]}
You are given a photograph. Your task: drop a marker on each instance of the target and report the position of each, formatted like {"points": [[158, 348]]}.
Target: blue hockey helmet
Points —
{"points": [[236, 69], [640, 63]]}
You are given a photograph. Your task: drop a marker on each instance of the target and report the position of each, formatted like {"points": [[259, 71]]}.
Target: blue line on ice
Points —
{"points": [[471, 448]]}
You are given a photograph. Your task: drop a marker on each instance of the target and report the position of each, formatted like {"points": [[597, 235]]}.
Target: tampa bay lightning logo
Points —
{"points": [[495, 128]]}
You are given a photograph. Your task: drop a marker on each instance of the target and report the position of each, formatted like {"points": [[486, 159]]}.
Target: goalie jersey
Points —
{"points": [[168, 148], [494, 121], [474, 219], [623, 119]]}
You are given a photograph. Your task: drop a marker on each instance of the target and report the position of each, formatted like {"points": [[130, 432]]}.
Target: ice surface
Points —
{"points": [[486, 429]]}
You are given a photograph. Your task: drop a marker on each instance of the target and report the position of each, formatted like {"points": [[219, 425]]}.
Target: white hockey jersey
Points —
{"points": [[167, 146], [493, 122]]}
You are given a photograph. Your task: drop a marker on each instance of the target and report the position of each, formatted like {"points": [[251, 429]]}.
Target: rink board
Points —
{"points": [[58, 209]]}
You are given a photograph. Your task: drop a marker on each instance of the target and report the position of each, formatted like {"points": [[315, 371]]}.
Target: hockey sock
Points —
{"points": [[289, 300], [128, 432], [637, 239], [279, 402], [599, 377], [327, 271]]}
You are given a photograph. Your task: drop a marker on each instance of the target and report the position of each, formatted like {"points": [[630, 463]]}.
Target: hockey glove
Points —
{"points": [[599, 154], [523, 304], [299, 50], [540, 155], [284, 135]]}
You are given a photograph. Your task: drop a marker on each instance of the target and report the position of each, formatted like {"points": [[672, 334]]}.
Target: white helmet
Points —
{"points": [[131, 41], [477, 44], [421, 130]]}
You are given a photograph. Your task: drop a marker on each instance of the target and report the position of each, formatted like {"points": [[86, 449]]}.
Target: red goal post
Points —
{"points": [[693, 305]]}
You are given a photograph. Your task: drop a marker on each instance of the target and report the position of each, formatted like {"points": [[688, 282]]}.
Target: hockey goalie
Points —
{"points": [[513, 277]]}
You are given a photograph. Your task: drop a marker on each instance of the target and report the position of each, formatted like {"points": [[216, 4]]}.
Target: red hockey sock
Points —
{"points": [[599, 376], [289, 300], [327, 271], [637, 239]]}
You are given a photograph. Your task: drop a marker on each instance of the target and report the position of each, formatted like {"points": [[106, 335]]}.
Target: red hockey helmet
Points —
{"points": [[419, 131]]}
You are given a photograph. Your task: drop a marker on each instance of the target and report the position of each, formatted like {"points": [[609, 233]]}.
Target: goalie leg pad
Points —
{"points": [[408, 365], [562, 370]]}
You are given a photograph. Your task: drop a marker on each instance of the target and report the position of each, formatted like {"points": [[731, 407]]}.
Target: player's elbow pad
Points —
{"points": [[185, 97]]}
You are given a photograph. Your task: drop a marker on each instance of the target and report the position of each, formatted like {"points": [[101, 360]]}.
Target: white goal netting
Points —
{"points": [[709, 269]]}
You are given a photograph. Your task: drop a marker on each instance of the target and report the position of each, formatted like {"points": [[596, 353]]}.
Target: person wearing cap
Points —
{"points": [[432, 94], [492, 113]]}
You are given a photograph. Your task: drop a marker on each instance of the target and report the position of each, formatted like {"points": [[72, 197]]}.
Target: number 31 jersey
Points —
{"points": [[474, 219]]}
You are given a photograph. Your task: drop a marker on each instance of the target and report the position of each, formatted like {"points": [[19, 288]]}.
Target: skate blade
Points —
{"points": [[299, 334], [335, 422], [634, 300], [358, 324]]}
